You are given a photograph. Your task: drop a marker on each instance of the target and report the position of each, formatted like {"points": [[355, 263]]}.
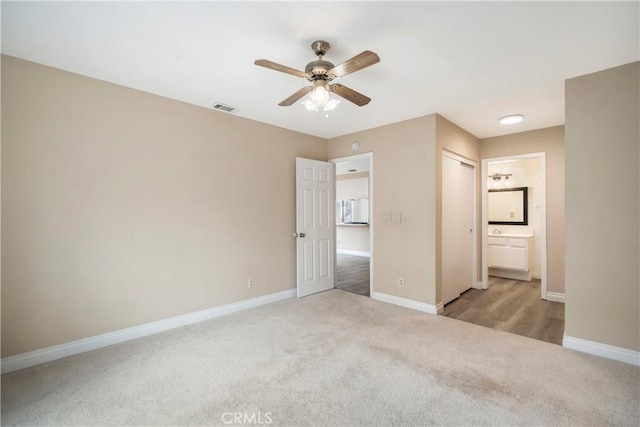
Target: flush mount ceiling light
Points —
{"points": [[511, 119]]}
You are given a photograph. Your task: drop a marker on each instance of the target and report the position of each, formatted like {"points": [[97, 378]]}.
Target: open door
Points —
{"points": [[315, 219]]}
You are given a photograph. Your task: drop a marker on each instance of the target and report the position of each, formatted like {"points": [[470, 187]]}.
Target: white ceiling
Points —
{"points": [[471, 62]]}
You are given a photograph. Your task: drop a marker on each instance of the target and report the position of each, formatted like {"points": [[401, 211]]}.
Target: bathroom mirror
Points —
{"points": [[508, 206]]}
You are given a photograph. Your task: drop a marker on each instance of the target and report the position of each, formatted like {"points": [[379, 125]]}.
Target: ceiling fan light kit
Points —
{"points": [[319, 95], [320, 73], [331, 105]]}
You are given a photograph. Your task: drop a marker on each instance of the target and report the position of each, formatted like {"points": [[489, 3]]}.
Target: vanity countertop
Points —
{"points": [[513, 235]]}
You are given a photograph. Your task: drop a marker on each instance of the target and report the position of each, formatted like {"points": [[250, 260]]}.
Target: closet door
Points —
{"points": [[457, 227]]}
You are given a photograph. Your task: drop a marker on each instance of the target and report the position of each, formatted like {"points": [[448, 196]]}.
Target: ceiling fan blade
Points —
{"points": [[356, 63], [350, 94], [279, 67], [293, 98]]}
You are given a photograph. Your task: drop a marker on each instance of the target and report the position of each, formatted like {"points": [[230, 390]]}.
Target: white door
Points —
{"points": [[315, 220], [457, 227]]}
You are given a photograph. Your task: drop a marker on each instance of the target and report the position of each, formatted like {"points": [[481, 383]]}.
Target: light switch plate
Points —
{"points": [[396, 217], [386, 217]]}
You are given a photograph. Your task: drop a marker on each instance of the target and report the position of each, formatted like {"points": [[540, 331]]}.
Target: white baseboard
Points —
{"points": [[407, 303], [511, 274], [36, 357], [555, 296], [603, 350], [478, 285], [350, 252]]}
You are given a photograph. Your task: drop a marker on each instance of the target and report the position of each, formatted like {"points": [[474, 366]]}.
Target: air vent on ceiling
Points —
{"points": [[223, 107]]}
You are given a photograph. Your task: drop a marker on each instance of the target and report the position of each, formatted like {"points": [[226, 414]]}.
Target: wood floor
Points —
{"points": [[352, 274], [512, 306], [508, 305]]}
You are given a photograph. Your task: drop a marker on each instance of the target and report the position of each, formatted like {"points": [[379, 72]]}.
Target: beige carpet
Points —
{"points": [[330, 359]]}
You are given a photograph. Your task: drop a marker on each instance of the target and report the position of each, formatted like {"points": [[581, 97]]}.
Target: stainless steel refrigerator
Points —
{"points": [[352, 211]]}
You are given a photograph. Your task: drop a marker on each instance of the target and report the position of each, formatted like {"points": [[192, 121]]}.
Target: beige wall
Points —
{"points": [[456, 140], [551, 142], [603, 207], [403, 182], [121, 208], [406, 172]]}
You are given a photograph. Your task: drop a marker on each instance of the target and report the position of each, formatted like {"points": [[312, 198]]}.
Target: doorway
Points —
{"points": [[354, 225], [520, 171]]}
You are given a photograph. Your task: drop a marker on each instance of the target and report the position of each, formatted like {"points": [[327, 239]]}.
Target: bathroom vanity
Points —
{"points": [[510, 255]]}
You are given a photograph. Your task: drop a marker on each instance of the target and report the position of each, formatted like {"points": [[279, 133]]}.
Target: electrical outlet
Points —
{"points": [[401, 282], [250, 283]]}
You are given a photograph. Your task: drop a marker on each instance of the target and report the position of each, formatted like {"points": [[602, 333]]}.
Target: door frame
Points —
{"points": [[541, 156], [368, 155], [474, 233]]}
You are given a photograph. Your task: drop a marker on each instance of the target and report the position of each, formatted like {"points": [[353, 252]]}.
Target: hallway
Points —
{"points": [[511, 306]]}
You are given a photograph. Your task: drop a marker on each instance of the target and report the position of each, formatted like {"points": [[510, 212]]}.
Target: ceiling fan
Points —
{"points": [[320, 73]]}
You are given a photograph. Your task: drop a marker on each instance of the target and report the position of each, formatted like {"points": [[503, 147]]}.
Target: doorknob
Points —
{"points": [[299, 235]]}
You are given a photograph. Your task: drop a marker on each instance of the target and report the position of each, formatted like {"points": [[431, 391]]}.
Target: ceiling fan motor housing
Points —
{"points": [[319, 70]]}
